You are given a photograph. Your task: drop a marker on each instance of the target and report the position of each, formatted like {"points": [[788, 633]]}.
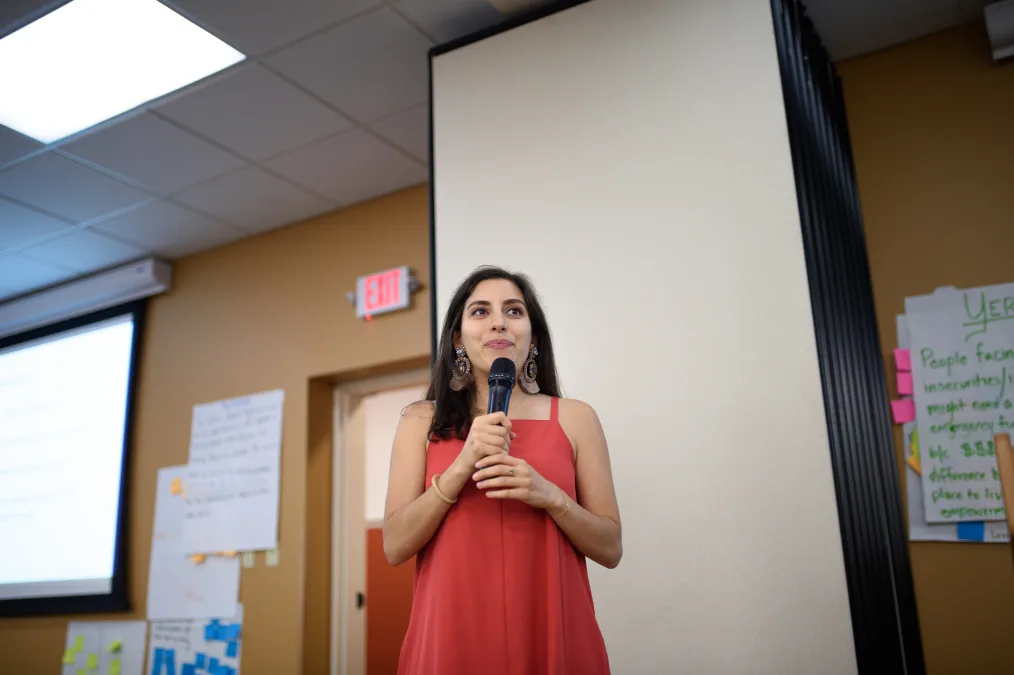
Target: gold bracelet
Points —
{"points": [[567, 498], [440, 494]]}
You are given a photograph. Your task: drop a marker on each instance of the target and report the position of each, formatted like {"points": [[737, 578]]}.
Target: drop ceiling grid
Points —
{"points": [[178, 176]]}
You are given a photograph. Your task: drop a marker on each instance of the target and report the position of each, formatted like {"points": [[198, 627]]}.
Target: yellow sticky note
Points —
{"points": [[915, 443], [82, 671], [114, 667], [68, 657], [176, 486], [116, 646], [197, 559], [79, 643], [93, 662]]}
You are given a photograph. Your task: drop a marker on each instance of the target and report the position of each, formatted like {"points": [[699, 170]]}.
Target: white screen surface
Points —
{"points": [[63, 403], [633, 159]]}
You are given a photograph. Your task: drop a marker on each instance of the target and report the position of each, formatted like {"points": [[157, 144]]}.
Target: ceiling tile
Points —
{"points": [[257, 26], [278, 203], [155, 153], [446, 20], [14, 145], [371, 67], [66, 188], [84, 251], [20, 225], [19, 274], [255, 113], [169, 230], [350, 168], [409, 130]]}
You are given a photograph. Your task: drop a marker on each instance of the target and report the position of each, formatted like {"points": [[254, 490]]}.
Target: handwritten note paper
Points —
{"points": [[101, 647], [232, 482], [177, 587], [963, 374], [196, 647]]}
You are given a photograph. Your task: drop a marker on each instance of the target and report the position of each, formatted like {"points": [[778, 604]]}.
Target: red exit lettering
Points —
{"points": [[382, 290]]}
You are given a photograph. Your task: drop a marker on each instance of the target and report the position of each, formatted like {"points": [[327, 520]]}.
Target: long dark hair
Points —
{"points": [[453, 414]]}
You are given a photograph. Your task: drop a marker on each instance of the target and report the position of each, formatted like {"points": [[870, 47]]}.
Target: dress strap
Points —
{"points": [[553, 407]]}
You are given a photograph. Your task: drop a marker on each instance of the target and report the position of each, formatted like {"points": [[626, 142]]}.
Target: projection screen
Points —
{"points": [[632, 158]]}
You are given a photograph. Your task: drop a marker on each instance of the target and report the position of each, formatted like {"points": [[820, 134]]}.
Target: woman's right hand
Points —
{"points": [[489, 435]]}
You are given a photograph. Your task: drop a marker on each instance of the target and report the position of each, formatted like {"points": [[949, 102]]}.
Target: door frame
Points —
{"points": [[348, 541]]}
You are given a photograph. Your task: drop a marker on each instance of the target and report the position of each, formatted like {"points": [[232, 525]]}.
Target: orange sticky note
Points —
{"points": [[197, 559], [229, 554], [913, 462], [902, 359], [905, 386], [176, 486], [903, 410]]}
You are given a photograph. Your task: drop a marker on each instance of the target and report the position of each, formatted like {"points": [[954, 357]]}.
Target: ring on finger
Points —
{"points": [[511, 471]]}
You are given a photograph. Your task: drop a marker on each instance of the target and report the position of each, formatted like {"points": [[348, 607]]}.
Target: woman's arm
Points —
{"points": [[413, 511], [593, 525]]}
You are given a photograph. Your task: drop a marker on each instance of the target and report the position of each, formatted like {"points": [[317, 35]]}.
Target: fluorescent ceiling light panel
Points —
{"points": [[91, 60]]}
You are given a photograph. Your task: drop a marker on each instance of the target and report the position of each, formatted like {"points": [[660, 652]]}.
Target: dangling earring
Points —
{"points": [[530, 372], [461, 374]]}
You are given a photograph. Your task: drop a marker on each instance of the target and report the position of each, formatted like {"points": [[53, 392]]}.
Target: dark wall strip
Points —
{"points": [[874, 539]]}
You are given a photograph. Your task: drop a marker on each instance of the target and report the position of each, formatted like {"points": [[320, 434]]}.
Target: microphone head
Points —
{"points": [[502, 369]]}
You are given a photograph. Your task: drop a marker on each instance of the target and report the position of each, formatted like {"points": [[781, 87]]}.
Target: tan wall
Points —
{"points": [[934, 148], [264, 313]]}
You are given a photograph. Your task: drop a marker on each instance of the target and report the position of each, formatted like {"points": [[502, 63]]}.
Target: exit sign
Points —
{"points": [[383, 292]]}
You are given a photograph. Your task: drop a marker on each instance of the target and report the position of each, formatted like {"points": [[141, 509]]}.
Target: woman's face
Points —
{"points": [[494, 324]]}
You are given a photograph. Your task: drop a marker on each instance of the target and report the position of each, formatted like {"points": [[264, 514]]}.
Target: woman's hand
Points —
{"points": [[489, 435], [508, 477]]}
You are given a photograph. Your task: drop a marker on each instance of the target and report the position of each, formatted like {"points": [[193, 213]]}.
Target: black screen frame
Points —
{"points": [[117, 599]]}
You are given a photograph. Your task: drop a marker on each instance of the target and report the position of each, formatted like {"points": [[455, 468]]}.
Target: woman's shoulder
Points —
{"points": [[418, 412], [576, 409]]}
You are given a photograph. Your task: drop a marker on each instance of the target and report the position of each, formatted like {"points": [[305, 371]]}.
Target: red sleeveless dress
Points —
{"points": [[499, 589]]}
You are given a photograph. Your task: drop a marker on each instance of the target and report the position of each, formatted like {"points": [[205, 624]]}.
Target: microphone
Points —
{"points": [[501, 384]]}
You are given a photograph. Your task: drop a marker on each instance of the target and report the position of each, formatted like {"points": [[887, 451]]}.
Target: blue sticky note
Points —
{"points": [[232, 649], [231, 632], [199, 659], [211, 631], [213, 666], [972, 531], [188, 669]]}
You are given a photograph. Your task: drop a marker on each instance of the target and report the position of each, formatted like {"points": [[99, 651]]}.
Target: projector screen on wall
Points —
{"points": [[65, 401]]}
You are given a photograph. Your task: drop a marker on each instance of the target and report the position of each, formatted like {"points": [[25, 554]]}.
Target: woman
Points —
{"points": [[500, 511]]}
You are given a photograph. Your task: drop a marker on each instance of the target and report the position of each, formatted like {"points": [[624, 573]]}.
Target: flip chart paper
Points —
{"points": [[89, 647], [177, 587], [232, 482]]}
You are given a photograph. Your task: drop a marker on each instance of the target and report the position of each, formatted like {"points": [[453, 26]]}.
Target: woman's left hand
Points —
{"points": [[507, 477]]}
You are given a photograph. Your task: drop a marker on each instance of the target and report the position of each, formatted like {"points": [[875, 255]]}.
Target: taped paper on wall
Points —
{"points": [[178, 587], [919, 529], [232, 482], [210, 647], [962, 344], [101, 647]]}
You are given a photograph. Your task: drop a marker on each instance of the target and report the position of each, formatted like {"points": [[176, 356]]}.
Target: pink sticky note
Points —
{"points": [[903, 410], [902, 359], [905, 386]]}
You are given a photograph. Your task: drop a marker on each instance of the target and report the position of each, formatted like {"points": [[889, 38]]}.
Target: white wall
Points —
{"points": [[632, 157], [382, 412]]}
